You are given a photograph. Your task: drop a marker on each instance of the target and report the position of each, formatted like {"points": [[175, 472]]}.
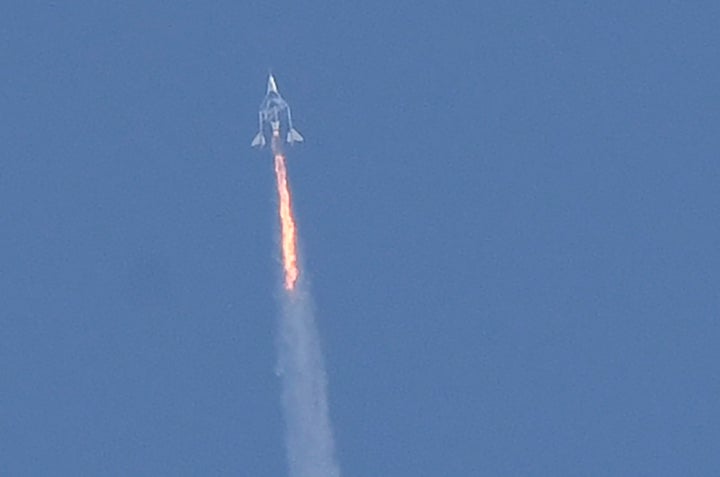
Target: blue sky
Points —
{"points": [[508, 215]]}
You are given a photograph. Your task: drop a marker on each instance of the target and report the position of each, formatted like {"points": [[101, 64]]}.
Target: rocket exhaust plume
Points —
{"points": [[287, 225], [309, 439]]}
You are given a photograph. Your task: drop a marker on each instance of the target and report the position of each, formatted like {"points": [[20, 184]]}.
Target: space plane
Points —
{"points": [[274, 120]]}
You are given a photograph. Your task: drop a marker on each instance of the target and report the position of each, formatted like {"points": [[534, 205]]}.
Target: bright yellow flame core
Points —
{"points": [[287, 224]]}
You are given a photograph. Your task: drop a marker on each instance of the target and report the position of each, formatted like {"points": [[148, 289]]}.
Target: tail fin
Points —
{"points": [[259, 140], [294, 136]]}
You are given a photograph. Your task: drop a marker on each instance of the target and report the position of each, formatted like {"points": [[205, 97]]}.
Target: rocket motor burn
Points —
{"points": [[275, 126], [287, 225]]}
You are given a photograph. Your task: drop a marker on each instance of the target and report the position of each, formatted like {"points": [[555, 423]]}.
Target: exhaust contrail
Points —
{"points": [[309, 439]]}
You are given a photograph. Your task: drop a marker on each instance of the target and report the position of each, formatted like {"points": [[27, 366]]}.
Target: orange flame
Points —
{"points": [[287, 224]]}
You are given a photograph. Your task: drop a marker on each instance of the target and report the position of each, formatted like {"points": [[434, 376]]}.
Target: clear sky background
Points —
{"points": [[508, 215]]}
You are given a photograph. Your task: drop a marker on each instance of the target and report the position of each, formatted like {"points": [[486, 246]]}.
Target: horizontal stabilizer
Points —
{"points": [[294, 136], [259, 140]]}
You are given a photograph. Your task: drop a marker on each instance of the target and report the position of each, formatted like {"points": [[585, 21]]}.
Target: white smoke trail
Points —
{"points": [[309, 439]]}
